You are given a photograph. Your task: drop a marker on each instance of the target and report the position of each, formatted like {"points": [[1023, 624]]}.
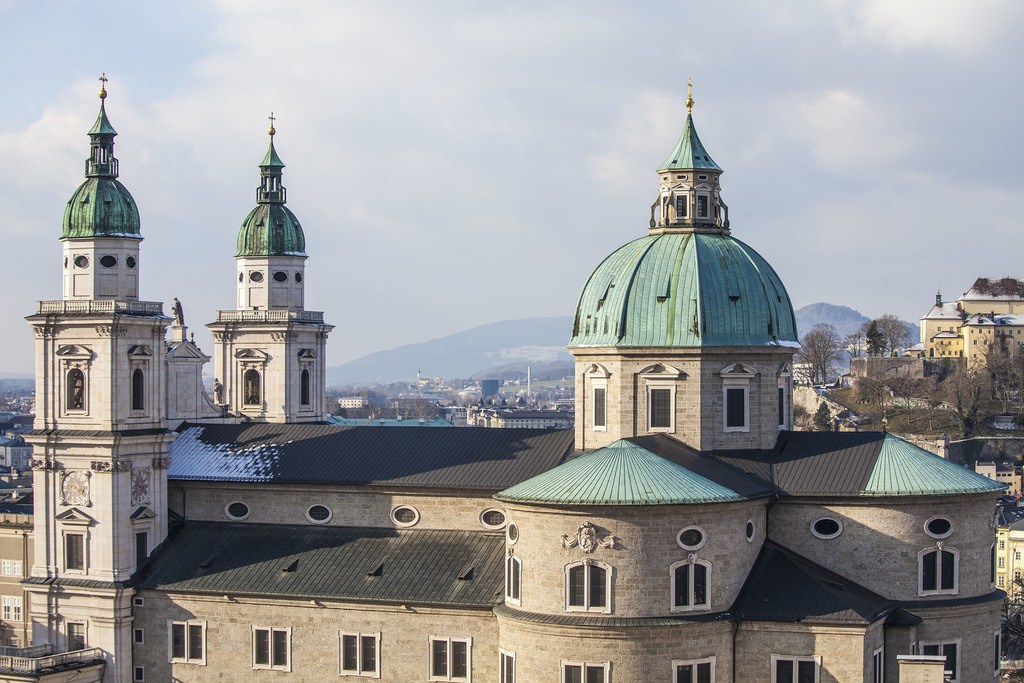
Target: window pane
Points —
{"points": [[684, 673], [76, 637], [806, 671], [178, 641], [735, 411], [74, 555], [948, 571], [369, 654], [508, 668], [195, 641], [661, 408], [439, 655], [576, 586], [700, 584], [573, 673], [702, 206], [598, 587], [349, 654], [595, 674], [262, 655], [599, 407], [682, 580], [141, 548], [782, 407], [704, 672], [784, 671], [280, 648], [460, 659], [929, 578], [949, 651], [930, 650]]}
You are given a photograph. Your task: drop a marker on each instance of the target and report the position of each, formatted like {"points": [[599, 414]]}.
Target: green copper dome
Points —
{"points": [[684, 289], [271, 229]]}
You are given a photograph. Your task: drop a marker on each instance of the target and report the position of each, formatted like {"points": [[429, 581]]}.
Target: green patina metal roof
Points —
{"points": [[271, 159], [271, 230], [903, 469], [100, 207], [621, 473], [684, 289], [102, 125], [689, 152]]}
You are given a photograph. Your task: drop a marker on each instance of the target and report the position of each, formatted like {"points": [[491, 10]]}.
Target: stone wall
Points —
{"points": [[845, 650]]}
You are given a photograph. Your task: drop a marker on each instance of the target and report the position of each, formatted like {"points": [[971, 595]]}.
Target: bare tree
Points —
{"points": [[894, 332], [856, 343], [966, 390], [821, 349]]}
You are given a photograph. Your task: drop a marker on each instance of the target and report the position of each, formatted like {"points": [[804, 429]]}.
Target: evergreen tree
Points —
{"points": [[823, 418], [875, 339]]}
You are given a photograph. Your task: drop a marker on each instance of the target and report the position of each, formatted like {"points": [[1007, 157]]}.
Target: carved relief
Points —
{"points": [[589, 538], [279, 336], [140, 486], [113, 465], [40, 464], [74, 488], [161, 463]]}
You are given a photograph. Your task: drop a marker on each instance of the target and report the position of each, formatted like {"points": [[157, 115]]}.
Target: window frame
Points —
{"points": [[796, 659], [878, 665], [588, 564], [998, 663], [607, 666], [676, 663], [83, 536], [187, 625], [744, 387], [468, 640], [503, 656], [661, 385], [67, 634], [13, 608], [941, 645], [596, 386], [138, 674], [513, 589], [690, 606], [271, 630], [938, 548], [358, 671]]}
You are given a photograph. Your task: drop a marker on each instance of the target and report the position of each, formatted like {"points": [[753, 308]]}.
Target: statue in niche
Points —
{"points": [[178, 313], [252, 387], [218, 391], [76, 394]]}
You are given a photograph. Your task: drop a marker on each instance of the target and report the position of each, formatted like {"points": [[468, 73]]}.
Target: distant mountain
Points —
{"points": [[464, 354], [845, 319]]}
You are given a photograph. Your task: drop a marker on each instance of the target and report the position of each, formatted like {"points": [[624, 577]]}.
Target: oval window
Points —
{"points": [[241, 277], [65, 263], [319, 514], [512, 532], [681, 176], [702, 177], [750, 531], [236, 510], [298, 277], [826, 527], [691, 538], [130, 261], [82, 261], [280, 276], [938, 527], [403, 515], [108, 261], [492, 519], [256, 276]]}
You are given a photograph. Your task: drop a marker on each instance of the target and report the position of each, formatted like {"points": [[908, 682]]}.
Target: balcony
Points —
{"points": [[274, 315], [99, 307], [36, 663]]}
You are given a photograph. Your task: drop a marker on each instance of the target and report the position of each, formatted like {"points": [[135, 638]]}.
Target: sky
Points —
{"points": [[455, 163]]}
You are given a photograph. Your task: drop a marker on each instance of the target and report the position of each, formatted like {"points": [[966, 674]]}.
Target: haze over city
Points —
{"points": [[455, 163]]}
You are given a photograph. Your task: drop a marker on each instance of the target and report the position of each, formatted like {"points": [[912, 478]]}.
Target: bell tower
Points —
{"points": [[100, 436], [270, 352]]}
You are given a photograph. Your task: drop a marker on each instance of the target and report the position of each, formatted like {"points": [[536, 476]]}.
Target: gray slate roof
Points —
{"points": [[342, 563], [473, 458]]}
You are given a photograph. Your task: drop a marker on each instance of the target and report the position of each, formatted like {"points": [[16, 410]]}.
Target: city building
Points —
{"points": [[990, 314], [507, 418], [1008, 475], [679, 532]]}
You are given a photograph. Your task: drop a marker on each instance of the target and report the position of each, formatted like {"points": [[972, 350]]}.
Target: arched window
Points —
{"points": [[76, 390], [588, 587], [138, 389], [304, 388], [513, 579], [691, 587], [938, 571], [251, 387]]}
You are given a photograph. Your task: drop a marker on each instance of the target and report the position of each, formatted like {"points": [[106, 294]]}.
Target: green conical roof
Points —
{"points": [[903, 469], [621, 473], [684, 289], [102, 125], [689, 152], [271, 159]]}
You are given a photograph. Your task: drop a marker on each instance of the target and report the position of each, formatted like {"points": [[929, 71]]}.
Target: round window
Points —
{"points": [[691, 538], [82, 261], [280, 276], [826, 527], [236, 510], [750, 531], [298, 277], [938, 527], [492, 519], [130, 261], [512, 532], [108, 261], [319, 514], [256, 276], [403, 515]]}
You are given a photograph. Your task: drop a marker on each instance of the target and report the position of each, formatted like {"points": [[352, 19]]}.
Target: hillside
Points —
{"points": [[845, 319], [468, 353]]}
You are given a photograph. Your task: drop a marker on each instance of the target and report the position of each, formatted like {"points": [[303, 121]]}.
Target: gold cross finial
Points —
{"points": [[103, 85], [272, 130], [689, 95]]}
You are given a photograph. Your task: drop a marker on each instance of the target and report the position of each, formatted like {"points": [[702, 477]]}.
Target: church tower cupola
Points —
{"points": [[689, 196]]}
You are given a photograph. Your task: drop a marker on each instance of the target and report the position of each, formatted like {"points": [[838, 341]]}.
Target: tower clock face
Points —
{"points": [[75, 488]]}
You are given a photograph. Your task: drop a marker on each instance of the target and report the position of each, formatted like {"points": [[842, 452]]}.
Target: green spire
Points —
{"points": [[689, 152], [101, 162], [271, 160], [271, 191]]}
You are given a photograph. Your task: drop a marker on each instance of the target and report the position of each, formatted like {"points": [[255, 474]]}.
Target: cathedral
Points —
{"points": [[680, 533]]}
